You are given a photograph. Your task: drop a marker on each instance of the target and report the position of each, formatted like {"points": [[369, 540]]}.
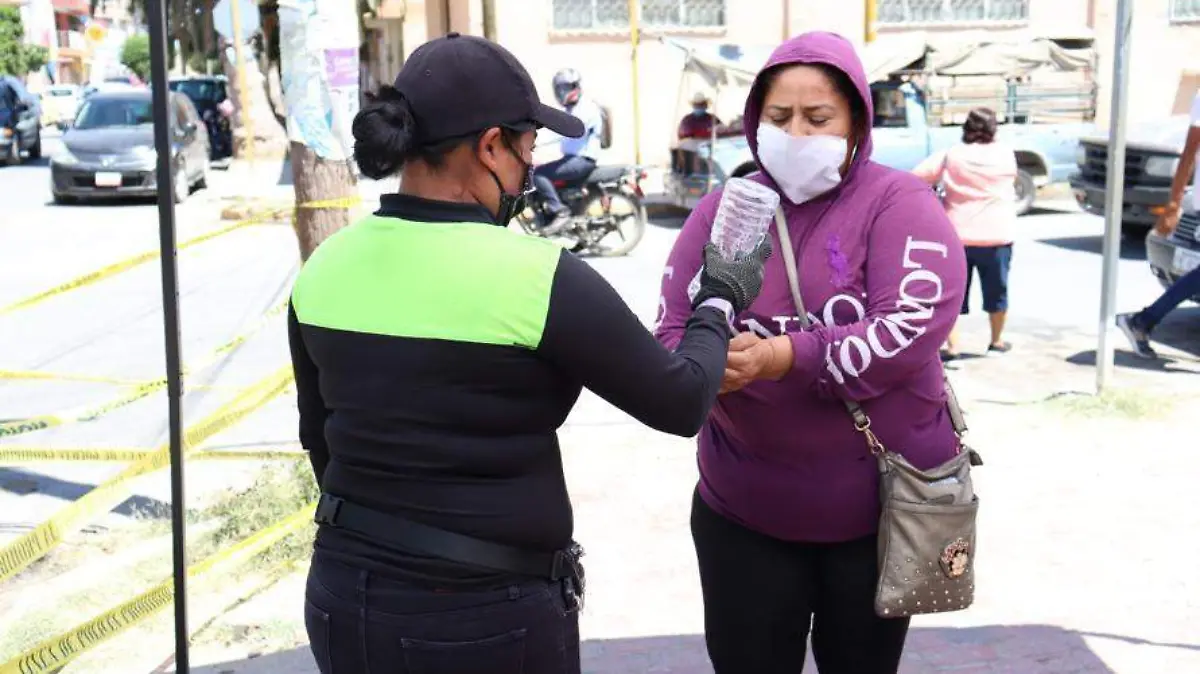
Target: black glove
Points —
{"points": [[737, 281]]}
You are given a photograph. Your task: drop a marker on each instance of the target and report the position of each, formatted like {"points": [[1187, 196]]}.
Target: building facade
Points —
{"points": [[593, 37]]}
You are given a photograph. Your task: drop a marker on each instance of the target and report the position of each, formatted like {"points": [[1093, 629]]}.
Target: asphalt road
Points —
{"points": [[113, 328]]}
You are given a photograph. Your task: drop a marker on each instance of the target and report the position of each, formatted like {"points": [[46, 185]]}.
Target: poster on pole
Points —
{"points": [[319, 45]]}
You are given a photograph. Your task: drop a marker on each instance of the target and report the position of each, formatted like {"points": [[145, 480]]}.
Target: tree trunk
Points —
{"points": [[318, 180], [270, 139], [319, 56]]}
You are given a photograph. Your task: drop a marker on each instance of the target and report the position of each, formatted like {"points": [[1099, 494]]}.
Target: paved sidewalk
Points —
{"points": [[1085, 566]]}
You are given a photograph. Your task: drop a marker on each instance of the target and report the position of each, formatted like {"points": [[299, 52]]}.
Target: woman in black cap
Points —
{"points": [[436, 354]]}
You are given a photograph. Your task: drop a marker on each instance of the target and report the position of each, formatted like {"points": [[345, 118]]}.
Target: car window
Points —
{"points": [[98, 113], [890, 108], [209, 91]]}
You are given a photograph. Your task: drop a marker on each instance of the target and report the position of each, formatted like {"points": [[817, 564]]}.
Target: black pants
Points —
{"points": [[761, 594], [571, 169], [360, 622]]}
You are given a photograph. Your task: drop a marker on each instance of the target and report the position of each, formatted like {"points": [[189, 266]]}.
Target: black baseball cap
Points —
{"points": [[461, 84]]}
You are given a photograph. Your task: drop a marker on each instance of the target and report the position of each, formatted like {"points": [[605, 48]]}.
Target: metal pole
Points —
{"points": [[634, 35], [235, 8], [1114, 193], [870, 16], [163, 130], [489, 19], [712, 145]]}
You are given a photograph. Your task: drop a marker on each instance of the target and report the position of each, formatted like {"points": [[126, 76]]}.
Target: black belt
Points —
{"points": [[416, 537]]}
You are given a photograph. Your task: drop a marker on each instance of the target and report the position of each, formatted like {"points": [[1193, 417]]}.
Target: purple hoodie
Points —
{"points": [[882, 274]]}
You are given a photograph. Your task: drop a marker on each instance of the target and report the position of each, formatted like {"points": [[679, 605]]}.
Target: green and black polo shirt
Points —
{"points": [[436, 355]]}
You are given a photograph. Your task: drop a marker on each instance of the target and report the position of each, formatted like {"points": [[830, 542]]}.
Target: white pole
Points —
{"points": [[1114, 193]]}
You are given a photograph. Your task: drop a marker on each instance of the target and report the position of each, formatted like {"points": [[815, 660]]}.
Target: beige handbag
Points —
{"points": [[927, 522]]}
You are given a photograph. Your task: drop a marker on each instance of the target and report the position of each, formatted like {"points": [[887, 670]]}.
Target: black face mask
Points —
{"points": [[512, 204]]}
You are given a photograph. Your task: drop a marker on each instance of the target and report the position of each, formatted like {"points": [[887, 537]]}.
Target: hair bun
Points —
{"points": [[384, 133]]}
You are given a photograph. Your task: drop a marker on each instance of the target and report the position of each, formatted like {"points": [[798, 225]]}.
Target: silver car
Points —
{"points": [[109, 149]]}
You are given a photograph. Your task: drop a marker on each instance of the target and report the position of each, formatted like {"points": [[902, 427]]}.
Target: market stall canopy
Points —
{"points": [[737, 65], [732, 64]]}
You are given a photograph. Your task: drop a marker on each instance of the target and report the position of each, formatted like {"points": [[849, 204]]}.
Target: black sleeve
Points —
{"points": [[591, 334], [308, 399]]}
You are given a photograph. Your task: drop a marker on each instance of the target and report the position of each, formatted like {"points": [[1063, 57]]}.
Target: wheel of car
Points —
{"points": [[1026, 192], [202, 181], [35, 151], [183, 188]]}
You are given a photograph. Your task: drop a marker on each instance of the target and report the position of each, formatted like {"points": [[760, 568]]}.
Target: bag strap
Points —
{"points": [[862, 422]]}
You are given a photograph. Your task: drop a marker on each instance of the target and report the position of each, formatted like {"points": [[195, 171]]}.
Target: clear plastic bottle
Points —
{"points": [[743, 217]]}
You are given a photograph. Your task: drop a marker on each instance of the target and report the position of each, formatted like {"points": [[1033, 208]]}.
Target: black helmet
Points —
{"points": [[567, 86]]}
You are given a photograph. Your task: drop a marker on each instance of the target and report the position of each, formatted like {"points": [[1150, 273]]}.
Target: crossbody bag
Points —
{"points": [[926, 546]]}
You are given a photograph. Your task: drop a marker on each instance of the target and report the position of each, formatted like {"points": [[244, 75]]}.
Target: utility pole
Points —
{"points": [[243, 90], [318, 48], [634, 35], [1114, 202], [870, 16], [489, 19]]}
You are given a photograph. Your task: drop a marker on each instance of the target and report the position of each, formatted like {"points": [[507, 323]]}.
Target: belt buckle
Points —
{"points": [[327, 510]]}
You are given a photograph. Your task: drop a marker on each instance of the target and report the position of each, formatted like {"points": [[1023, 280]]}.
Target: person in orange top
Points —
{"points": [[977, 177]]}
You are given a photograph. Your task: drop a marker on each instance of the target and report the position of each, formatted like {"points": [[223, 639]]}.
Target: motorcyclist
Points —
{"points": [[578, 154]]}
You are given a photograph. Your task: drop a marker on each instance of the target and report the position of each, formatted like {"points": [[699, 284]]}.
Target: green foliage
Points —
{"points": [[135, 55], [16, 57]]}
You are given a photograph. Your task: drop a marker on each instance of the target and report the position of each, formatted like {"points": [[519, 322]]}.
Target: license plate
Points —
{"points": [[108, 179], [1186, 260]]}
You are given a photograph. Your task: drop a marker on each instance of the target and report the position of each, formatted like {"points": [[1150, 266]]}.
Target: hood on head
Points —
{"points": [[816, 47]]}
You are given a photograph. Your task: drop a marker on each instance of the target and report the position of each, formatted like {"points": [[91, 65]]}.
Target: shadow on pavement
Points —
{"points": [[22, 482], [1126, 359], [1131, 249], [1028, 649]]}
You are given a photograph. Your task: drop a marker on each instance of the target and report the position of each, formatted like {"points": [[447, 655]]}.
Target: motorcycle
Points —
{"points": [[608, 216]]}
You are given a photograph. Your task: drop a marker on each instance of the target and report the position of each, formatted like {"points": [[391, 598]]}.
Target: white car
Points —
{"points": [[60, 103]]}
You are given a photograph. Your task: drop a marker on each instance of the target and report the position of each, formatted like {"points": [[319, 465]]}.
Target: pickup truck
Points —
{"points": [[1151, 155], [1046, 153]]}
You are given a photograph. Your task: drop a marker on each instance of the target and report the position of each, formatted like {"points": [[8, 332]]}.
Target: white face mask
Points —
{"points": [[804, 167]]}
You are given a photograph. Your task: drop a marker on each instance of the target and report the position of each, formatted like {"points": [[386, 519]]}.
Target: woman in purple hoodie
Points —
{"points": [[786, 512]]}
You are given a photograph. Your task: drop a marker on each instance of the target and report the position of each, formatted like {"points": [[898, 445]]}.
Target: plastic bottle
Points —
{"points": [[745, 213]]}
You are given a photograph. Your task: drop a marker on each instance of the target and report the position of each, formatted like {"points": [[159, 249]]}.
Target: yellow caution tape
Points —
{"points": [[118, 267], [343, 202], [35, 544], [15, 455], [54, 376], [53, 654], [143, 390]]}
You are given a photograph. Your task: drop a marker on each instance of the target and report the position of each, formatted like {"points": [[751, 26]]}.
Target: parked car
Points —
{"points": [[60, 102], [109, 150], [902, 138], [1171, 257], [207, 93], [20, 122], [1151, 155]]}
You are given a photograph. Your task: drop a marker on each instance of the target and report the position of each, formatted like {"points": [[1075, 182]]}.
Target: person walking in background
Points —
{"points": [[977, 177], [786, 513], [1138, 326]]}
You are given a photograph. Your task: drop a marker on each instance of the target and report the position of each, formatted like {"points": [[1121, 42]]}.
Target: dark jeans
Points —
{"points": [[362, 623], [761, 594], [571, 168], [993, 263], [1186, 287]]}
